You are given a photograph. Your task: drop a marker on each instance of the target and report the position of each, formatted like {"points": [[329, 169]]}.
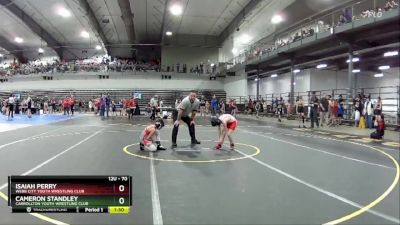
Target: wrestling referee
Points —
{"points": [[186, 111]]}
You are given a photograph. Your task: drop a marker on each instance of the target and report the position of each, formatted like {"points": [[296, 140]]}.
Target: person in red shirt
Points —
{"points": [[125, 107], [66, 104], [380, 128], [97, 104], [334, 112], [131, 105], [150, 137], [232, 105], [72, 104]]}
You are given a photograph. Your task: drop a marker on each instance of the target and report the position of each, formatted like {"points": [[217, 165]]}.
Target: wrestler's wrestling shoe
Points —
{"points": [[218, 146], [160, 147]]}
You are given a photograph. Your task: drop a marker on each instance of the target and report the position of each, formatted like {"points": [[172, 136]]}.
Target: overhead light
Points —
{"points": [[391, 53], [212, 64], [85, 34], [244, 39], [168, 33], [274, 75], [18, 40], [40, 50], [256, 79], [320, 66], [64, 12], [296, 71], [354, 60], [234, 51], [356, 71], [176, 10], [1, 55], [98, 47], [276, 19], [378, 75], [294, 83], [384, 67]]}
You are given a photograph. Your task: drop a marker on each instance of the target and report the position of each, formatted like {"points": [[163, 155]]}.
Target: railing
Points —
{"points": [[104, 69], [390, 96], [364, 9]]}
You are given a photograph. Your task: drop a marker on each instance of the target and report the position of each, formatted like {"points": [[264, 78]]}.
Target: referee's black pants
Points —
{"points": [[187, 120], [153, 113]]}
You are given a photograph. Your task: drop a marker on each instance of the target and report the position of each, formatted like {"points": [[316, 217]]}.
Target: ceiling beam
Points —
{"points": [[236, 21], [164, 17], [127, 18], [95, 23], [35, 27], [12, 48]]}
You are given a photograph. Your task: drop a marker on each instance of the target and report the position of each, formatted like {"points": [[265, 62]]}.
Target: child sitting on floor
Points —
{"points": [[380, 128]]}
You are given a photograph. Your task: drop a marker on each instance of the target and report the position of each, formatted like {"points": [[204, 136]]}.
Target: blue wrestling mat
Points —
{"points": [[36, 119]]}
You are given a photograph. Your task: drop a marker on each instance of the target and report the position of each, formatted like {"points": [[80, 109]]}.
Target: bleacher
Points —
{"points": [[167, 96]]}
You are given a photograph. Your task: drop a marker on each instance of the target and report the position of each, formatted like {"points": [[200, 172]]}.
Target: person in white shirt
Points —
{"points": [[154, 106], [368, 112], [29, 103], [186, 111], [10, 104]]}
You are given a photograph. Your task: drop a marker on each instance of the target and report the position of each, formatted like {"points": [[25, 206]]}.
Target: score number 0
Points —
{"points": [[121, 188]]}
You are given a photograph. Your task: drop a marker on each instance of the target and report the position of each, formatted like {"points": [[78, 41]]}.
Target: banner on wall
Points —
{"points": [[137, 95]]}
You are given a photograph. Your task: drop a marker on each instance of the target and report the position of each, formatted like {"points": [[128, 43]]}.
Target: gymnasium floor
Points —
{"points": [[277, 175]]}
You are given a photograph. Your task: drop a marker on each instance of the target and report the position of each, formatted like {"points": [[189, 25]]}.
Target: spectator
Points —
{"points": [[342, 20], [154, 105], [113, 107], [131, 106], [10, 105], [214, 105], [368, 112], [250, 106], [103, 103], [296, 37], [72, 104], [29, 102], [66, 105], [390, 4], [222, 107], [177, 102], [108, 103], [90, 106], [380, 128], [300, 110], [314, 110], [324, 111], [233, 107], [258, 108], [202, 107], [331, 102], [280, 106], [378, 107], [53, 105], [311, 32], [334, 112], [340, 109], [80, 105], [207, 107]]}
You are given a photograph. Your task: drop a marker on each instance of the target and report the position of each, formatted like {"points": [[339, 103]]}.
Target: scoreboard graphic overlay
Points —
{"points": [[70, 194]]}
